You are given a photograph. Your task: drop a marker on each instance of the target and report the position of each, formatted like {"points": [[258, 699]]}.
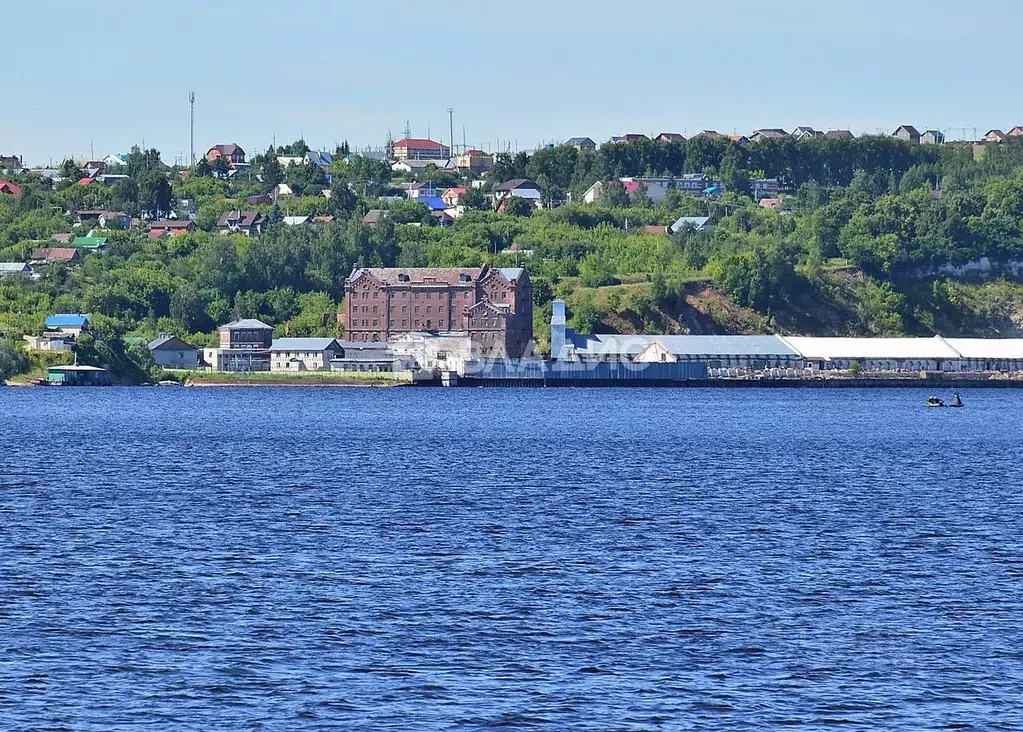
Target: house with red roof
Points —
{"points": [[412, 148], [453, 195], [11, 189]]}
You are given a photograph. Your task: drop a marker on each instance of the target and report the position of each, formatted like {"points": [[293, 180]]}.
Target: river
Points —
{"points": [[449, 559]]}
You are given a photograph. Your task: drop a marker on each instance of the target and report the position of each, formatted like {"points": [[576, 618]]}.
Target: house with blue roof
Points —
{"points": [[67, 323]]}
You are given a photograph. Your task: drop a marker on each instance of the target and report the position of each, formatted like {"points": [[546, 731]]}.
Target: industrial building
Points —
{"points": [[730, 355]]}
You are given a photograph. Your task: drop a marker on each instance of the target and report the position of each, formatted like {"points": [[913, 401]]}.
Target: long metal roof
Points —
{"points": [[874, 348], [725, 345], [1005, 349]]}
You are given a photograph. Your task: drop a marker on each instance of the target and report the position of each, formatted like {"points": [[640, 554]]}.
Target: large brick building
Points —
{"points": [[493, 306]]}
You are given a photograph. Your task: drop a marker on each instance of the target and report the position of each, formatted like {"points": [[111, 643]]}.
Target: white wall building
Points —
{"points": [[303, 354]]}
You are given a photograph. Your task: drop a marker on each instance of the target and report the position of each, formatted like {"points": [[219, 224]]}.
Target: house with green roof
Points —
{"points": [[91, 243]]}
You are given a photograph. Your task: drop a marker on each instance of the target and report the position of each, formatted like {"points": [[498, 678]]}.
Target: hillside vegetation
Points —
{"points": [[859, 247]]}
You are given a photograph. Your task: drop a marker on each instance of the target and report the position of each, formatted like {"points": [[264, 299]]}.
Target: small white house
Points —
{"points": [[303, 354]]}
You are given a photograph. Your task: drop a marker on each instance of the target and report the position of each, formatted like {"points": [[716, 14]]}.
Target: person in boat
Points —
{"points": [[933, 401]]}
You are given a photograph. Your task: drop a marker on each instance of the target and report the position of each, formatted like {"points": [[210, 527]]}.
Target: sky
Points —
{"points": [[92, 77]]}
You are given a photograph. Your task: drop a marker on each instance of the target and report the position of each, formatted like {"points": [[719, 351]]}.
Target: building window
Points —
{"points": [[429, 308], [404, 308]]}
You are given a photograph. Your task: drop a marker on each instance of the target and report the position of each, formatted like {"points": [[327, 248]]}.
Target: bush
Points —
{"points": [[13, 361]]}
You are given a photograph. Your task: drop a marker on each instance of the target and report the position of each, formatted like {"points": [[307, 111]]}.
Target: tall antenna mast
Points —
{"points": [[408, 129], [191, 127], [451, 130]]}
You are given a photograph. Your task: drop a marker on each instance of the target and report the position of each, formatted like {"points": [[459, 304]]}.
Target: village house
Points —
{"points": [[710, 134], [839, 135], [932, 137], [1016, 131], [518, 188], [698, 224], [765, 188], [909, 133], [115, 220], [303, 354], [231, 154], [994, 136], [73, 324], [15, 269], [11, 163], [89, 243], [452, 196], [250, 223], [740, 140], [411, 148], [493, 305], [581, 143], [373, 217], [9, 189], [670, 137], [57, 255], [171, 352], [768, 133], [477, 162], [171, 227], [806, 133]]}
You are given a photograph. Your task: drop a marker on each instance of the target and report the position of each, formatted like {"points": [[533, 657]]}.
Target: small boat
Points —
{"points": [[169, 382], [956, 402]]}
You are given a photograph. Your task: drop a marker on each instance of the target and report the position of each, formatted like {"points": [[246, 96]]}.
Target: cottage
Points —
{"points": [[474, 161], [303, 354], [518, 188], [73, 324], [765, 188], [698, 224], [670, 137], [171, 352], [57, 255], [373, 217], [115, 220], [909, 133], [806, 133], [994, 136], [452, 196], [839, 135], [932, 137], [581, 143], [232, 154], [768, 133], [296, 220], [15, 269], [56, 342], [89, 243], [250, 223], [172, 227], [10, 189], [11, 163]]}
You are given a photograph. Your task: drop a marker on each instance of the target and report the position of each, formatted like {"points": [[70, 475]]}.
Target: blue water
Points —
{"points": [[232, 559]]}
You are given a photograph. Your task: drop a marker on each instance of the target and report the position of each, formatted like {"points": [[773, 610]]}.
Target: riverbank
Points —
{"points": [[304, 378]]}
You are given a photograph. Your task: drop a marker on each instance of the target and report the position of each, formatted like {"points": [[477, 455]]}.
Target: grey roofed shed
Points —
{"points": [[770, 346]]}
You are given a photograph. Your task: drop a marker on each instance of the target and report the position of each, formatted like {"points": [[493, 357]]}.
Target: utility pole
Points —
{"points": [[191, 128], [451, 131]]}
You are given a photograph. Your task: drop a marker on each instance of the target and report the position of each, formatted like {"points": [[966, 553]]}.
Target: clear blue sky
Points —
{"points": [[117, 72]]}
